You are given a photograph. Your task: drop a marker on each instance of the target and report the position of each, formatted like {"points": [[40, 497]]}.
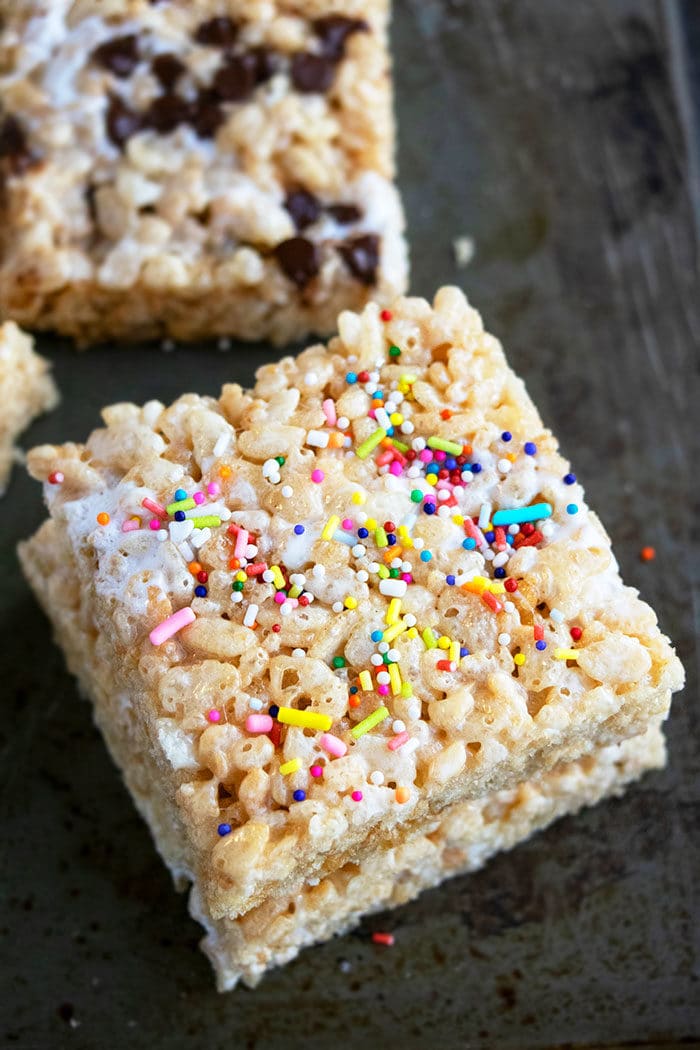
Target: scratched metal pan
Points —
{"points": [[558, 136]]}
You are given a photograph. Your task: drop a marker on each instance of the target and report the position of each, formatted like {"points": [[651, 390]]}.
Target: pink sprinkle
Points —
{"points": [[384, 458], [213, 488], [317, 476], [280, 597], [198, 497], [155, 508], [154, 524], [425, 456], [406, 577], [383, 690], [241, 544], [130, 525], [333, 745], [372, 414], [316, 771], [258, 723], [398, 741], [329, 411], [213, 715], [356, 796], [173, 624], [439, 456], [347, 523], [396, 469]]}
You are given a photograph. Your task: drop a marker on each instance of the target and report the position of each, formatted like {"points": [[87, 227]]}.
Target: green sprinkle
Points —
{"points": [[394, 351], [207, 521], [380, 537], [394, 573], [445, 446], [383, 572], [429, 638], [362, 451], [406, 689], [369, 723], [281, 460], [238, 585], [181, 504], [399, 445], [416, 495], [338, 661]]}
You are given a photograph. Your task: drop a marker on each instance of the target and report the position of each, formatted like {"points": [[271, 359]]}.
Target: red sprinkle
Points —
{"points": [[386, 315], [275, 733], [203, 576], [490, 599], [576, 633], [645, 554], [445, 665], [277, 627], [56, 477], [363, 377], [510, 585], [538, 631], [383, 938]]}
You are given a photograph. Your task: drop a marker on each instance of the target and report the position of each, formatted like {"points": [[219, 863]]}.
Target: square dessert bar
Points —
{"points": [[313, 615], [26, 390], [219, 168]]}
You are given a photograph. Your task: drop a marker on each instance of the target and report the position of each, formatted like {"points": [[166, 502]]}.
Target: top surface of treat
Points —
{"points": [[353, 583], [174, 132]]}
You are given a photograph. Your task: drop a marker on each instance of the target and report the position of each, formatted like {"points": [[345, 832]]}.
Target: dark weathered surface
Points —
{"points": [[549, 131]]}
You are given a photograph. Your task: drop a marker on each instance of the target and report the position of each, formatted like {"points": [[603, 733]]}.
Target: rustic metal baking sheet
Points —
{"points": [[556, 134]]}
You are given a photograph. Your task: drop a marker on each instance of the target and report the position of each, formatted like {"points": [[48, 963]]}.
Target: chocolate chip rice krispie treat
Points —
{"points": [[314, 615], [196, 169], [26, 390]]}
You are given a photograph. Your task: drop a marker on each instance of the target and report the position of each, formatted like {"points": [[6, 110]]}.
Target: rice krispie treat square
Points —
{"points": [[196, 169], [313, 615], [26, 390]]}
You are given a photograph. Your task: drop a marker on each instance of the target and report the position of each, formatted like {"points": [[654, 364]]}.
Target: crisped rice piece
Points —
{"points": [[26, 390]]}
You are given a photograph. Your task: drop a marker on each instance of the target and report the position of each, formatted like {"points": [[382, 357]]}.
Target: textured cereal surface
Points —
{"points": [[218, 168], [508, 652], [26, 390]]}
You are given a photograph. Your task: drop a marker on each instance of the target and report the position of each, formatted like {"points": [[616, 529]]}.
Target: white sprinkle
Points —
{"points": [[236, 597], [250, 614], [311, 597], [251, 551], [393, 588], [390, 407], [505, 466], [557, 615], [489, 555], [298, 652], [409, 746], [500, 559], [286, 609], [373, 566], [443, 494], [418, 444], [376, 660], [509, 607], [397, 726], [337, 607], [546, 527], [407, 427], [268, 576], [270, 466], [484, 515], [383, 647], [393, 655], [221, 444], [162, 534], [359, 550], [406, 566], [342, 423], [287, 491], [256, 703], [504, 639], [382, 417], [318, 570], [310, 378], [317, 438], [199, 537], [186, 551], [376, 777], [413, 472], [180, 530], [410, 620], [418, 543], [396, 564], [383, 678], [297, 579], [363, 576], [514, 530], [444, 512]]}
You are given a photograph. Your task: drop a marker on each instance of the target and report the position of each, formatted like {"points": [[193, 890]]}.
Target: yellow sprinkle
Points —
{"points": [[431, 479], [454, 651], [394, 611], [519, 659], [395, 679], [369, 722], [396, 419], [277, 577], [408, 378], [458, 519], [295, 591], [512, 456], [404, 536], [412, 632], [289, 716], [359, 498], [565, 654], [406, 689], [479, 584], [394, 631], [383, 573], [370, 524], [429, 638], [290, 767], [330, 527], [380, 537], [350, 602], [366, 682], [241, 577], [443, 642]]}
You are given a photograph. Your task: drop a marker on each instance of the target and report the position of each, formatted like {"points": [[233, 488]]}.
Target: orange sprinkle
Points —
{"points": [[392, 552], [467, 450], [234, 563], [225, 472], [354, 700], [103, 518], [402, 795], [446, 414], [194, 567], [335, 439], [647, 553]]}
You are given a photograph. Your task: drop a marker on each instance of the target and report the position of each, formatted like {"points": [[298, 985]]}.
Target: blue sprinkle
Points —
{"points": [[463, 652], [377, 636], [499, 573], [476, 468], [391, 539], [506, 435], [569, 479], [450, 463], [450, 580], [390, 432], [299, 795], [572, 508], [490, 536], [179, 515], [469, 544], [429, 508], [200, 591], [540, 645], [530, 448], [353, 690], [467, 468], [273, 710], [363, 533], [224, 829], [425, 555], [180, 494], [351, 377], [299, 530]]}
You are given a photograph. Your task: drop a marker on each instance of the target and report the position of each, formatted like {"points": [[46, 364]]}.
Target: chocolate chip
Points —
{"points": [[361, 255], [312, 73], [299, 259], [303, 207], [266, 63], [207, 114], [217, 32], [235, 79], [344, 213], [167, 69], [14, 148], [167, 112], [120, 56], [122, 122], [334, 31]]}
